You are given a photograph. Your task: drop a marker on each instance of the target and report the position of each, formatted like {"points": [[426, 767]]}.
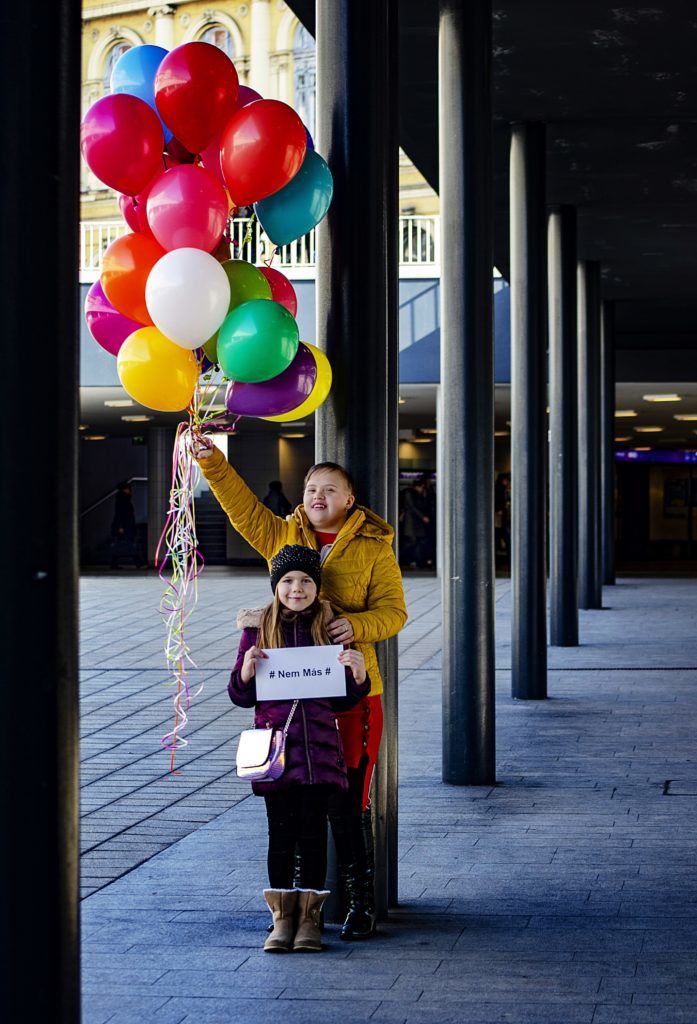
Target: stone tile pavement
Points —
{"points": [[565, 893]]}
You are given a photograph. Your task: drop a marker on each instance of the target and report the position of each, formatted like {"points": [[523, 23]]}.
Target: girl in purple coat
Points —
{"points": [[296, 803]]}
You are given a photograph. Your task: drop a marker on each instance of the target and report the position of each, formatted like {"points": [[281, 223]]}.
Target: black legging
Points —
{"points": [[345, 813], [297, 816]]}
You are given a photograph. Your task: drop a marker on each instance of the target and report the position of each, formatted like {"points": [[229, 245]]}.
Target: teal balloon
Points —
{"points": [[257, 341], [300, 205]]}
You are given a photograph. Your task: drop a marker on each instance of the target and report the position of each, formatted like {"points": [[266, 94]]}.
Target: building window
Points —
{"points": [[219, 36], [111, 58], [304, 65]]}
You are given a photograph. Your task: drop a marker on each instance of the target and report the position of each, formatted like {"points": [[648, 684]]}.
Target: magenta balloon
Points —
{"points": [[122, 141], [246, 95], [278, 395], [108, 327], [187, 209]]}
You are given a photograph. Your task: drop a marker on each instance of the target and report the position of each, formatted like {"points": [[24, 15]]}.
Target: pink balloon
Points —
{"points": [[108, 327], [133, 208], [122, 141], [282, 291], [187, 209]]}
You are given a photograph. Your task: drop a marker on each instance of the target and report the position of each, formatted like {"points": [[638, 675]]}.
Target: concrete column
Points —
{"points": [[39, 906], [607, 441], [528, 279], [260, 47], [164, 25], [160, 445], [357, 303], [589, 555], [466, 490], [563, 429]]}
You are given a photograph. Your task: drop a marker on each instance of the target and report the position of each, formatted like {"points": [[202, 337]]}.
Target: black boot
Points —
{"points": [[359, 880]]}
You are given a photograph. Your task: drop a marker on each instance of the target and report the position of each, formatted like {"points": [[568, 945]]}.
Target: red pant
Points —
{"points": [[361, 730]]}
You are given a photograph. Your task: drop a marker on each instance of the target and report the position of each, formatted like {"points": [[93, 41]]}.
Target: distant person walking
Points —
{"points": [[502, 505], [277, 501], [123, 527], [418, 512]]}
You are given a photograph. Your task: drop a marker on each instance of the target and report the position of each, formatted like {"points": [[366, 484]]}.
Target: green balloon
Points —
{"points": [[257, 341], [210, 347], [246, 283]]}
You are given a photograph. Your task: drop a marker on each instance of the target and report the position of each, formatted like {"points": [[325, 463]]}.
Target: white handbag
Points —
{"points": [[261, 753]]}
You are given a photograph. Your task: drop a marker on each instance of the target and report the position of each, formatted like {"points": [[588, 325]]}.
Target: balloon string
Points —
{"points": [[180, 564]]}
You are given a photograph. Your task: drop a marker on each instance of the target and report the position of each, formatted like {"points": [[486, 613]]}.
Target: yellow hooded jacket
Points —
{"points": [[360, 575]]}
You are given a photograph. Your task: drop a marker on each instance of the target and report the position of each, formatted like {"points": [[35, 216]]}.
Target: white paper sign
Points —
{"points": [[291, 672]]}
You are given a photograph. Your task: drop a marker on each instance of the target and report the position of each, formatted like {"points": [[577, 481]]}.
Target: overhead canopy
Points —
{"points": [[617, 88]]}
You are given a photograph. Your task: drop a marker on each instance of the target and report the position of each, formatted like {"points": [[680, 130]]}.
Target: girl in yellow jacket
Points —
{"points": [[362, 581]]}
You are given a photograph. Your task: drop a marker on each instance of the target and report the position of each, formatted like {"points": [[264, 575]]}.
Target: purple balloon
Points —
{"points": [[108, 327], [278, 395]]}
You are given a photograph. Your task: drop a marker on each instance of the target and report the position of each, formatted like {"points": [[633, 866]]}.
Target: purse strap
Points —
{"points": [[289, 718]]}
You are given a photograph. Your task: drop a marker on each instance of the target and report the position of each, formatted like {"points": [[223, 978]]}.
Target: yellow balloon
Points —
{"points": [[156, 372], [318, 394]]}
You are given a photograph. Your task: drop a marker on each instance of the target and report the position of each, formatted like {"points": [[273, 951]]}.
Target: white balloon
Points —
{"points": [[187, 294]]}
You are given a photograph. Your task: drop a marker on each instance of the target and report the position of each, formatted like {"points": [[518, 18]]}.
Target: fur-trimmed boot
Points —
{"points": [[283, 904], [307, 936]]}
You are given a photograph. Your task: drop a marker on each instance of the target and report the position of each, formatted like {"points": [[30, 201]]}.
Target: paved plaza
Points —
{"points": [[565, 893]]}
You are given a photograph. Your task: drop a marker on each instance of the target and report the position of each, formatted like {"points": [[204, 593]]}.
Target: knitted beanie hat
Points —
{"points": [[295, 558]]}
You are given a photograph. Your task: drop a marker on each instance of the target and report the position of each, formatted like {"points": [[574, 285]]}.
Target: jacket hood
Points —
{"points": [[362, 521]]}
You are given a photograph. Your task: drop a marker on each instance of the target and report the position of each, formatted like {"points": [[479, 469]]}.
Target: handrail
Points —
{"points": [[419, 243], [115, 490]]}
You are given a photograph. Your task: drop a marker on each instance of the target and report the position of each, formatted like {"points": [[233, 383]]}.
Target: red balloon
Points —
{"points": [[121, 140], [196, 89], [187, 208], [282, 291], [133, 208], [262, 149]]}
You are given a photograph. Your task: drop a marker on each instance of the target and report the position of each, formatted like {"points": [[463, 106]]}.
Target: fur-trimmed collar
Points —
{"points": [[250, 618]]}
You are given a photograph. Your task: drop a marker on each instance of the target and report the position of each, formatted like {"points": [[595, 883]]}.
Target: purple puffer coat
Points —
{"points": [[313, 745]]}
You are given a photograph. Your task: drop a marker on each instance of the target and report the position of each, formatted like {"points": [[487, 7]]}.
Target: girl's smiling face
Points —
{"points": [[296, 590], [327, 500]]}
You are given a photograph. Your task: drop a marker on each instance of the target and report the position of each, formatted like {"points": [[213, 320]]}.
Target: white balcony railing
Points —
{"points": [[419, 246]]}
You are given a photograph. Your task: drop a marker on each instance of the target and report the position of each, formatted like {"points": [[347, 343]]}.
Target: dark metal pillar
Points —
{"points": [[357, 302], [589, 576], [160, 444], [528, 281], [39, 909], [563, 434], [607, 441], [466, 490]]}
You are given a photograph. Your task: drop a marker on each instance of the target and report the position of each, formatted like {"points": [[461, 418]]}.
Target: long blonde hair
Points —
{"points": [[271, 627]]}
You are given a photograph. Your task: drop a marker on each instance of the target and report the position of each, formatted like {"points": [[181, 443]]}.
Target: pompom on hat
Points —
{"points": [[295, 558]]}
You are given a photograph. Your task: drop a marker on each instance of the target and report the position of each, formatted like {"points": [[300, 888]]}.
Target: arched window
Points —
{"points": [[304, 65], [218, 35], [111, 58]]}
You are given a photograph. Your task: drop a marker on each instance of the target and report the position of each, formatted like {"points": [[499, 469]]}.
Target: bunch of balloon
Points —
{"points": [[186, 147]]}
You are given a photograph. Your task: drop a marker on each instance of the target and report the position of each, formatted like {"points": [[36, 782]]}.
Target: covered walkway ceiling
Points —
{"points": [[617, 87]]}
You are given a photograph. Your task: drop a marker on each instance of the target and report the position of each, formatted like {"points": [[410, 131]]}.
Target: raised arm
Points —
{"points": [[386, 609], [249, 516]]}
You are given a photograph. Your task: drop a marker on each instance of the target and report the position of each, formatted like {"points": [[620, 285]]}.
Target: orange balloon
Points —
{"points": [[125, 268]]}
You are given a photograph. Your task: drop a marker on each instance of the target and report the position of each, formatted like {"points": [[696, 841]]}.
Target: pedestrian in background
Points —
{"points": [[277, 501]]}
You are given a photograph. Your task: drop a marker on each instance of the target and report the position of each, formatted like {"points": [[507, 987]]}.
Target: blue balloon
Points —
{"points": [[310, 143], [299, 205], [134, 73]]}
